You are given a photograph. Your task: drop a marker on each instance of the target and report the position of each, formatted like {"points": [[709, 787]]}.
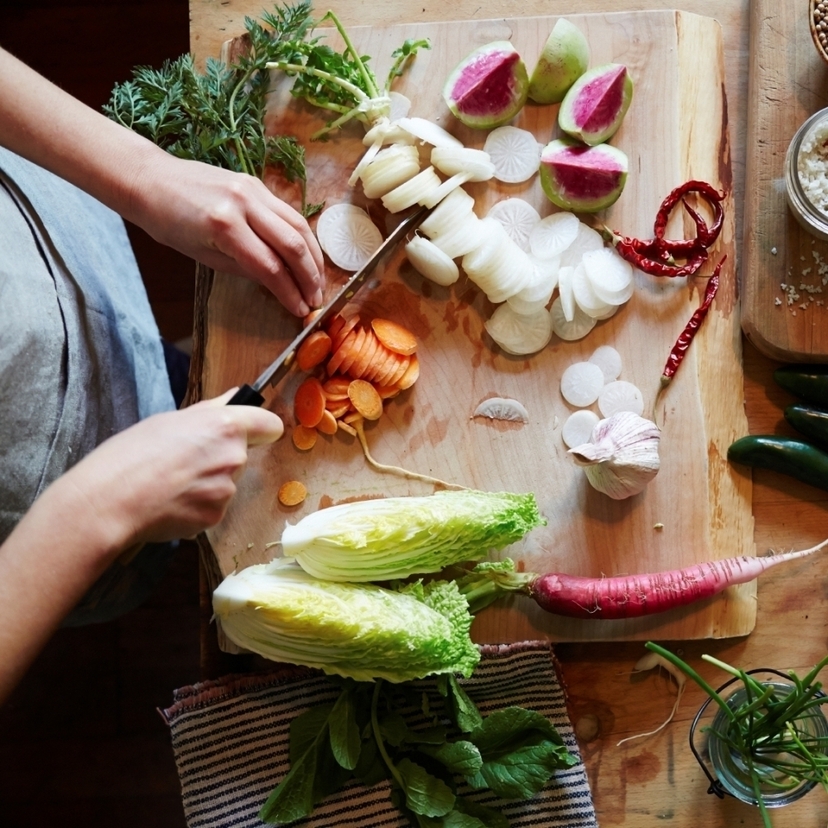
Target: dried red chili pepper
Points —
{"points": [[657, 260], [679, 350], [708, 191]]}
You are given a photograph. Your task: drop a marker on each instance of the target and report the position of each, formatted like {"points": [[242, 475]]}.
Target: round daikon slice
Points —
{"points": [[515, 153], [577, 428], [502, 408], [577, 328], [611, 276], [448, 213], [608, 360], [464, 238], [585, 296], [391, 167], [448, 186], [347, 234], [453, 160], [411, 192], [518, 334], [519, 218], [620, 396], [553, 234], [428, 260], [538, 292], [400, 105], [565, 293], [429, 132], [581, 383], [585, 240]]}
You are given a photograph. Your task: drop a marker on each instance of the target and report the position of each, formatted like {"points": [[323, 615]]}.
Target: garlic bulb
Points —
{"points": [[621, 457]]}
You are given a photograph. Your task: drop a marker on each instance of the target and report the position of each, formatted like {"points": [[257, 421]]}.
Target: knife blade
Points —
{"points": [[276, 371]]}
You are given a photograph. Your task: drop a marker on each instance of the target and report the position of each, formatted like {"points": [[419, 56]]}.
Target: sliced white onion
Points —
{"points": [[448, 213], [611, 276], [447, 187], [391, 167], [412, 192], [465, 237], [400, 105], [577, 428], [620, 396], [581, 383], [515, 153], [585, 240], [565, 294], [428, 260], [608, 360], [519, 218], [570, 330], [585, 296], [428, 132], [454, 160], [502, 408], [553, 234], [518, 334], [347, 234]]}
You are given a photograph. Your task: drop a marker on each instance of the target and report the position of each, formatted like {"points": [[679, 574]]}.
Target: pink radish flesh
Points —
{"points": [[600, 101], [632, 596], [487, 85]]}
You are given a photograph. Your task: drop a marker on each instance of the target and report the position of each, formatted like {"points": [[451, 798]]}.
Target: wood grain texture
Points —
{"points": [[677, 61], [788, 83]]}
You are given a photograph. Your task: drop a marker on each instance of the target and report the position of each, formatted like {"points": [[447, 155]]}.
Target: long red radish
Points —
{"points": [[623, 596]]}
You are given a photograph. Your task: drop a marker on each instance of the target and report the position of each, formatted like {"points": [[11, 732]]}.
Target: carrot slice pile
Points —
{"points": [[356, 368]]}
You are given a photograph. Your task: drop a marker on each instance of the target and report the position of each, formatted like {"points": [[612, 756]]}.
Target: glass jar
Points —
{"points": [[776, 787], [801, 152]]}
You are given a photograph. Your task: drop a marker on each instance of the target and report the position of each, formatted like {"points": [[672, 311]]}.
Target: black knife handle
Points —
{"points": [[246, 395]]}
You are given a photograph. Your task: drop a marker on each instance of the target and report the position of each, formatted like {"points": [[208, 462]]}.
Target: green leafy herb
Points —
{"points": [[369, 734]]}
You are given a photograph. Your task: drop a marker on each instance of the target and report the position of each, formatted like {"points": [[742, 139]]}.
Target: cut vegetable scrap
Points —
{"points": [[292, 493], [515, 154], [347, 234], [502, 408]]}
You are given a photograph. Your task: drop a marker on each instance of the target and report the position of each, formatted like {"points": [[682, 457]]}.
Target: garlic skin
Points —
{"points": [[621, 457]]}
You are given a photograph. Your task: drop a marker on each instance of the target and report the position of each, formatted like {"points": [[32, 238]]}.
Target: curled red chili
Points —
{"points": [[679, 350]]}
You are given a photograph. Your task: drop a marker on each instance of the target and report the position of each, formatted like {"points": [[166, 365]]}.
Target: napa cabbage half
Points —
{"points": [[379, 540], [360, 631]]}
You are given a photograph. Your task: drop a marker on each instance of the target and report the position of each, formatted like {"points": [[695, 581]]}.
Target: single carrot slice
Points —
{"points": [[394, 336], [313, 351], [338, 408], [350, 323], [356, 347], [311, 317], [304, 438], [336, 388], [327, 425], [387, 392], [292, 493], [335, 325], [410, 376], [309, 402], [363, 360], [340, 352], [404, 365], [365, 399]]}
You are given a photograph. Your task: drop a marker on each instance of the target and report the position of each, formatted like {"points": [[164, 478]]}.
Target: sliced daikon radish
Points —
{"points": [[367, 157], [585, 296], [429, 132], [620, 396], [518, 334], [400, 105], [454, 160], [448, 186], [611, 276], [565, 293], [502, 408], [581, 383], [347, 234], [553, 234], [464, 238], [515, 153], [412, 192], [448, 213], [577, 428], [568, 330], [480, 264], [432, 262], [514, 272], [519, 218], [538, 292], [608, 360], [391, 167], [585, 240], [387, 132]]}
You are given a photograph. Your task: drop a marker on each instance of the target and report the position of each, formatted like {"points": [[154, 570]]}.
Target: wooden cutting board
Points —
{"points": [[788, 82], [698, 508]]}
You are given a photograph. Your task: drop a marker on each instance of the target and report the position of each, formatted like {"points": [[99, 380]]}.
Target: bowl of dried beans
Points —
{"points": [[818, 19]]}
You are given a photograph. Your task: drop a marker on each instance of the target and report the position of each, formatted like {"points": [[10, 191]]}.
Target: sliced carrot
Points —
{"points": [[395, 367], [310, 317], [394, 336], [383, 360], [313, 351], [365, 399], [366, 355], [340, 352], [309, 402], [304, 438], [350, 323], [410, 376], [335, 326], [338, 408], [327, 425], [387, 392], [404, 364], [352, 419], [292, 493], [350, 358], [336, 388]]}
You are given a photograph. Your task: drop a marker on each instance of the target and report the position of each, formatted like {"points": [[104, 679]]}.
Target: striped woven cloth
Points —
{"points": [[230, 740]]}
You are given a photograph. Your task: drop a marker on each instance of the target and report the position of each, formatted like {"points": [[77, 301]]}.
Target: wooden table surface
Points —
{"points": [[656, 780]]}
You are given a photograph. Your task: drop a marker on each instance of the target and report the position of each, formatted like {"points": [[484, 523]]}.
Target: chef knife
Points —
{"points": [[251, 394]]}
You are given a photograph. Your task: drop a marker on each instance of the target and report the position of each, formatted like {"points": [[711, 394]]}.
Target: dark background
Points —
{"points": [[81, 741]]}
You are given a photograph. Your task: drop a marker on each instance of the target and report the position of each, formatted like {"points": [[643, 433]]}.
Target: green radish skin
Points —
{"points": [[808, 382], [785, 455], [812, 423]]}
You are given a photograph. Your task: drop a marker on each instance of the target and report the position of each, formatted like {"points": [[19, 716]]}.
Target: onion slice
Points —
{"points": [[346, 233]]}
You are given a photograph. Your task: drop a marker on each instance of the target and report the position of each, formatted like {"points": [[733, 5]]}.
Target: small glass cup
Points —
{"points": [[809, 216]]}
